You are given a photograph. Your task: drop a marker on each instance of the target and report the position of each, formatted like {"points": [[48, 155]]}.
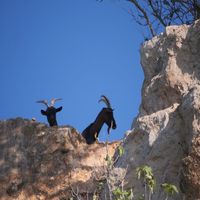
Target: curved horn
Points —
{"points": [[54, 100], [45, 102], [105, 100]]}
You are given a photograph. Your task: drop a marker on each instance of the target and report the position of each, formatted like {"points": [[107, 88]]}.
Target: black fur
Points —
{"points": [[91, 133], [51, 115]]}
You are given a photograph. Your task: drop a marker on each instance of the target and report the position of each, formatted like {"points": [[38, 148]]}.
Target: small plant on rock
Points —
{"points": [[121, 194], [146, 173], [169, 189]]}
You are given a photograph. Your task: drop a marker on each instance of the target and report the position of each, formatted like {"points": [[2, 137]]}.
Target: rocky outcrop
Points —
{"points": [[165, 134], [191, 170], [42, 163]]}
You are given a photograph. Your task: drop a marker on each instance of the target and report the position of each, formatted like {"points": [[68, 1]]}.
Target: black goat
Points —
{"points": [[91, 133], [50, 111]]}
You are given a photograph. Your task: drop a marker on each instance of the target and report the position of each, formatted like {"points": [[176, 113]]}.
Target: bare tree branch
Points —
{"points": [[161, 13], [145, 15]]}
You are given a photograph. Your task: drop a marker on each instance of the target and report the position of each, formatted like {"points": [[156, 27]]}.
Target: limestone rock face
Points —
{"points": [[42, 163], [191, 170], [165, 134]]}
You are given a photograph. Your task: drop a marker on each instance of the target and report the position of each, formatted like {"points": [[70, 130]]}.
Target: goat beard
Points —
{"points": [[110, 127], [108, 130]]}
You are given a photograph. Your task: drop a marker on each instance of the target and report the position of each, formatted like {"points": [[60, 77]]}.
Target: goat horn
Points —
{"points": [[45, 102], [54, 100], [105, 100]]}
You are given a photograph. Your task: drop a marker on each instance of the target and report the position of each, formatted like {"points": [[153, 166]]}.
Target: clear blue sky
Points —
{"points": [[73, 49]]}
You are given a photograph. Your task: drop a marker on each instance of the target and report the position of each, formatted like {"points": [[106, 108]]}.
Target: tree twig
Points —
{"points": [[137, 5]]}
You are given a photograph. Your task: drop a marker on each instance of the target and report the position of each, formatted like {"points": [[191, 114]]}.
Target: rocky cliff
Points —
{"points": [[166, 133], [42, 163]]}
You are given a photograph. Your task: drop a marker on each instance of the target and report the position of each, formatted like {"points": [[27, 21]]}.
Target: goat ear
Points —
{"points": [[59, 109], [43, 112]]}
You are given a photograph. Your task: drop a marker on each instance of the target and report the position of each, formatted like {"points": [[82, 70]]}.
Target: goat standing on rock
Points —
{"points": [[91, 133], [50, 111]]}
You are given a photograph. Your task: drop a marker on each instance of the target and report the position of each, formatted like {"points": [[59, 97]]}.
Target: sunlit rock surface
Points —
{"points": [[42, 163], [165, 134]]}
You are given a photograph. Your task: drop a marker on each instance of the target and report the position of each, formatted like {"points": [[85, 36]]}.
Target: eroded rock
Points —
{"points": [[40, 162], [163, 133]]}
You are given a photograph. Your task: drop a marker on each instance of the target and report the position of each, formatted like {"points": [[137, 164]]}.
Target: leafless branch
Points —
{"points": [[145, 15], [75, 193], [161, 13]]}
